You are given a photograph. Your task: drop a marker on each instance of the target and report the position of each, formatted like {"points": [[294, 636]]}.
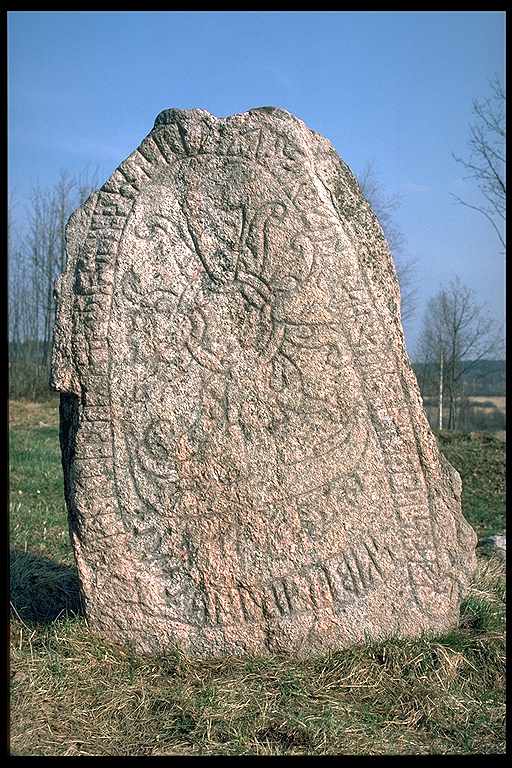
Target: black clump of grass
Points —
{"points": [[42, 590]]}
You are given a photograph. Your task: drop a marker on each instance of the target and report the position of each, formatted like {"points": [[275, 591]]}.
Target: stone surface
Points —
{"points": [[248, 467]]}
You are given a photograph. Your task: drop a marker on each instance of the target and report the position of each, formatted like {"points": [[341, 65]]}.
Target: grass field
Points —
{"points": [[72, 694], [476, 412], [490, 401]]}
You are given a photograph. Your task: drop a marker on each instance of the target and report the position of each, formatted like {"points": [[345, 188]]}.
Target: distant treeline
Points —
{"points": [[28, 370], [486, 377], [36, 248], [472, 411]]}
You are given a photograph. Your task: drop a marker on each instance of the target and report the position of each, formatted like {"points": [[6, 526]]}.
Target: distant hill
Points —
{"points": [[486, 377]]}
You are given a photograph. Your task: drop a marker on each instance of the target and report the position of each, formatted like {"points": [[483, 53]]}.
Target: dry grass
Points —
{"points": [[499, 402], [25, 413], [74, 695]]}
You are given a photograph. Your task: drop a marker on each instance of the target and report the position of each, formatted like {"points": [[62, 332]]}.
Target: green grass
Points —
{"points": [[481, 463], [37, 509], [73, 694]]}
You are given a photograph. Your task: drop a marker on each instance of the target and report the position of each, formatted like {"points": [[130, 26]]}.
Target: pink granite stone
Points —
{"points": [[248, 466]]}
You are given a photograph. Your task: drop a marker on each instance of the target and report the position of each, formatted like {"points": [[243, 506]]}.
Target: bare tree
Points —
{"points": [[460, 332], [63, 202], [15, 281], [42, 243], [86, 183], [35, 260], [384, 207], [486, 163], [22, 318]]}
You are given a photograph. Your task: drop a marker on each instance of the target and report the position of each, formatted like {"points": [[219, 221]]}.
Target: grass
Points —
{"points": [[37, 509], [481, 463], [74, 695], [488, 401]]}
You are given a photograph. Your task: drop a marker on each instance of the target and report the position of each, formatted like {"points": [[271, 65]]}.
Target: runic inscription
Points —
{"points": [[247, 464]]}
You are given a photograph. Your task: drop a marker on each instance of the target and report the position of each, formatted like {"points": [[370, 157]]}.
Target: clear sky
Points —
{"points": [[395, 88]]}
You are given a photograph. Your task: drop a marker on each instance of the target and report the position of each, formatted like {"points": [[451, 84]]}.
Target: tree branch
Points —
{"points": [[484, 213]]}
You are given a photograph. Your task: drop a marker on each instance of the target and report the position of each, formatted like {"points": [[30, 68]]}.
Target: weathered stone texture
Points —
{"points": [[247, 463]]}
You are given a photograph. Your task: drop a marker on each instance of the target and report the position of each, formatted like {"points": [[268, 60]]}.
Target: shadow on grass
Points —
{"points": [[42, 590]]}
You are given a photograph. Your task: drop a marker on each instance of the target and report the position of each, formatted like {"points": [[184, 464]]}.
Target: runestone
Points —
{"points": [[248, 466]]}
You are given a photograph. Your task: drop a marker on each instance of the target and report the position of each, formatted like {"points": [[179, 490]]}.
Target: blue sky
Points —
{"points": [[392, 88]]}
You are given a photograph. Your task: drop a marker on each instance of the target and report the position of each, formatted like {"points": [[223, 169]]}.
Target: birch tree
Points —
{"points": [[461, 332]]}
